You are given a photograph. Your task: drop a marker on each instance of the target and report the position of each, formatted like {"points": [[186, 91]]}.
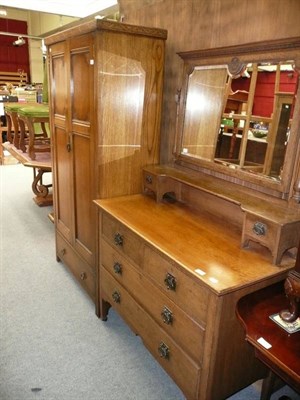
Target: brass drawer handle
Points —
{"points": [[118, 268], [259, 228], [116, 296], [164, 350], [170, 282], [118, 239], [63, 252], [83, 276], [149, 179], [167, 316]]}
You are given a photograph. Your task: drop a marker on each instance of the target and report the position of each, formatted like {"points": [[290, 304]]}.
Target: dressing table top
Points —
{"points": [[205, 246]]}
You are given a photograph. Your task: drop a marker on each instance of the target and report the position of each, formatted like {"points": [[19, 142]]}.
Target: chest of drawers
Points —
{"points": [[175, 277]]}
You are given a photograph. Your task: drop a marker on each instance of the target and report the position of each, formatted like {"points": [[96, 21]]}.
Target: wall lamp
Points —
{"points": [[19, 42], [20, 37]]}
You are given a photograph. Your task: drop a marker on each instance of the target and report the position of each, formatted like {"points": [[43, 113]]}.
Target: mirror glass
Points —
{"points": [[240, 118]]}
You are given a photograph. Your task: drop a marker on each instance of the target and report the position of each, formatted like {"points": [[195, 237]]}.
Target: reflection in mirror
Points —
{"points": [[203, 111], [240, 119]]}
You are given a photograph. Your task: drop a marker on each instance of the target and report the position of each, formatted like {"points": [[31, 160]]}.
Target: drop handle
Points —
{"points": [[117, 268], [68, 147], [170, 282], [164, 351], [167, 316], [118, 239], [83, 276], [259, 228], [116, 296], [149, 179]]}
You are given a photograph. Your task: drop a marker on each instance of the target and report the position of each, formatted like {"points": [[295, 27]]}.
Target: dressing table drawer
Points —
{"points": [[121, 238], [173, 359], [186, 332], [188, 294]]}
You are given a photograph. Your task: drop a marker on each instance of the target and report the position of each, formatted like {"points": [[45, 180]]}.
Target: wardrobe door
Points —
{"points": [[82, 143], [60, 139]]}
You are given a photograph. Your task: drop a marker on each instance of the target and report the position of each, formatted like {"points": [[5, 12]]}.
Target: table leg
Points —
{"points": [[267, 386], [44, 130], [14, 117], [43, 198], [31, 133], [22, 135], [9, 128]]}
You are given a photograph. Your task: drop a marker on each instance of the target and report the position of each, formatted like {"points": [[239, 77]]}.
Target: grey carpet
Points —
{"points": [[53, 347]]}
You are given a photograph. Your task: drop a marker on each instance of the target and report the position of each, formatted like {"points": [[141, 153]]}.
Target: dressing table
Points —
{"points": [[205, 231]]}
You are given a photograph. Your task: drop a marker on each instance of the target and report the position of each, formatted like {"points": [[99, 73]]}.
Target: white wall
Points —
{"points": [[38, 23]]}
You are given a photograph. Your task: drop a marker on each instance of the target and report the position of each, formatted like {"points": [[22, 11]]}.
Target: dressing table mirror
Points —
{"points": [[241, 120], [237, 140], [238, 114]]}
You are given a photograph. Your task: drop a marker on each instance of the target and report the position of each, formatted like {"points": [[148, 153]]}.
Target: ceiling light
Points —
{"points": [[3, 12]]}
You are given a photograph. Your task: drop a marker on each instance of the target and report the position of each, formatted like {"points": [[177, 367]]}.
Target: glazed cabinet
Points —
{"points": [[105, 102]]}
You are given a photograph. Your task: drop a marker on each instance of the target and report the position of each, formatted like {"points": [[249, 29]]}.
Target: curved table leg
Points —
{"points": [[43, 198]]}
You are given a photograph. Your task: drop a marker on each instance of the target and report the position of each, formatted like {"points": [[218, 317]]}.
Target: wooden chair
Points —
{"points": [[32, 116], [13, 130]]}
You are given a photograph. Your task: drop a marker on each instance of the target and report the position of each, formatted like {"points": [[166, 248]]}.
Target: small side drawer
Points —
{"points": [[80, 269], [260, 230], [265, 233], [164, 311], [277, 236], [149, 182], [173, 359], [192, 297], [121, 238]]}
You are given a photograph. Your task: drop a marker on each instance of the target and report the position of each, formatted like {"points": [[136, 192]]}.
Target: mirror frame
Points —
{"points": [[266, 51]]}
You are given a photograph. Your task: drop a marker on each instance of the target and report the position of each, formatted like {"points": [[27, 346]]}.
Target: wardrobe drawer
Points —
{"points": [[191, 296], [172, 358], [186, 332], [80, 269], [118, 236]]}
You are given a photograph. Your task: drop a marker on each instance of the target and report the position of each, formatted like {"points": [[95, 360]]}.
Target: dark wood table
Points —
{"points": [[41, 165], [283, 357]]}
